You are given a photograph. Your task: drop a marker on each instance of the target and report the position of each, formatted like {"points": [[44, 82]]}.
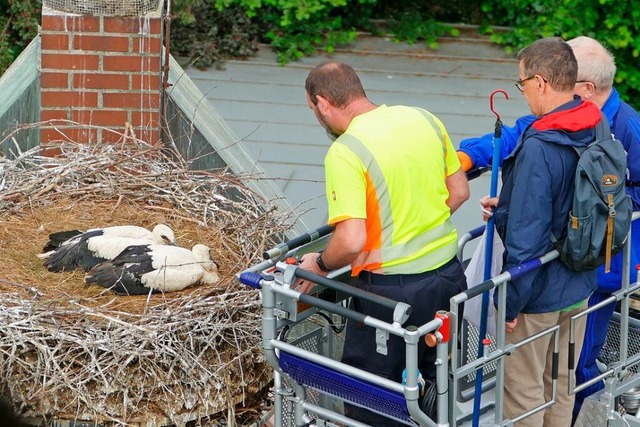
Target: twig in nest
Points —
{"points": [[67, 355]]}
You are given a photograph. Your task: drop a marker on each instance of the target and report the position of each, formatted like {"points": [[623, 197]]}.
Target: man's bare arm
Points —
{"points": [[458, 189]]}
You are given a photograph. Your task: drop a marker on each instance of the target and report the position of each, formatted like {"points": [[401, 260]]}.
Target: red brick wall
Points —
{"points": [[99, 71]]}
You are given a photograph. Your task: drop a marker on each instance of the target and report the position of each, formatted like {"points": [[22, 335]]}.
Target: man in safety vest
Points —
{"points": [[392, 182]]}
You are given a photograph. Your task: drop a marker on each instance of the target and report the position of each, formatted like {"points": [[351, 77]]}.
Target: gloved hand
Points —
{"points": [[465, 161]]}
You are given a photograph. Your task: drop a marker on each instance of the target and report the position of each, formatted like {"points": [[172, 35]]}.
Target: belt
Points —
{"points": [[399, 279]]}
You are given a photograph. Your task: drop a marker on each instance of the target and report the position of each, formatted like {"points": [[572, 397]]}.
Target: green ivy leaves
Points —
{"points": [[615, 24]]}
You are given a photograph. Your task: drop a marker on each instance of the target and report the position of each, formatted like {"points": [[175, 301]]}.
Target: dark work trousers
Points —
{"points": [[426, 293]]}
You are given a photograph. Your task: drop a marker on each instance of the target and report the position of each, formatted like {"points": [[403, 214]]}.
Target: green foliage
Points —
{"points": [[615, 24], [206, 32], [215, 35], [297, 28], [19, 22], [414, 22], [183, 14], [303, 39], [412, 27]]}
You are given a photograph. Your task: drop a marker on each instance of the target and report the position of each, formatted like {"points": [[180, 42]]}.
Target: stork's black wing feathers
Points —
{"points": [[137, 259], [118, 278], [74, 255], [123, 275], [57, 239]]}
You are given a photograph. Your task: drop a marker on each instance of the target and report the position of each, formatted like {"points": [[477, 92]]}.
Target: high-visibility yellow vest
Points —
{"points": [[390, 168]]}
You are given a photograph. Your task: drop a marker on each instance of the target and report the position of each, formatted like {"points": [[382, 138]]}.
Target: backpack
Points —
{"points": [[600, 216]]}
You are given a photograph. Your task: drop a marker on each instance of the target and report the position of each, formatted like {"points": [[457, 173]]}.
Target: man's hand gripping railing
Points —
{"points": [[500, 280]]}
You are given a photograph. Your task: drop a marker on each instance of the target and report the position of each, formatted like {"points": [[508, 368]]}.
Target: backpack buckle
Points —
{"points": [[612, 206]]}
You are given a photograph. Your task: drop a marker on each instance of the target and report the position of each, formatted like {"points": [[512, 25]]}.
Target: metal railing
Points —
{"points": [[302, 373]]}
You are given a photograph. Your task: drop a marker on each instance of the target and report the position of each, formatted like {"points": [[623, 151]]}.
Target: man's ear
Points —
{"points": [[590, 88], [323, 104], [542, 85]]}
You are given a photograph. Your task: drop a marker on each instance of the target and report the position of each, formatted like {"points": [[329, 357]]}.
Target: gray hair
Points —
{"points": [[595, 63]]}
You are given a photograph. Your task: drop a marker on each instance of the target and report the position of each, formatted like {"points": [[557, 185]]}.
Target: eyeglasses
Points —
{"points": [[587, 81], [520, 83]]}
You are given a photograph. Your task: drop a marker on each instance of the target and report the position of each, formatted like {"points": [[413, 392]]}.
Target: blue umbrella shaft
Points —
{"points": [[493, 192]]}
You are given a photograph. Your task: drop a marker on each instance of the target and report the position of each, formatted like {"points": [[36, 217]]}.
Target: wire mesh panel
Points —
{"points": [[312, 341], [288, 416], [313, 336], [611, 350], [362, 393], [104, 7], [470, 338]]}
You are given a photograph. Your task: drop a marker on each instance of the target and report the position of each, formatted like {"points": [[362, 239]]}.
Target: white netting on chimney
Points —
{"points": [[104, 7]]}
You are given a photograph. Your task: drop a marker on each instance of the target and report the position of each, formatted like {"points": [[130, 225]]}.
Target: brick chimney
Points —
{"points": [[102, 69]]}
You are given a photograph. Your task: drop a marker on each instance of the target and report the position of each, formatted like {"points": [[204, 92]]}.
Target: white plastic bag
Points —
{"points": [[475, 276]]}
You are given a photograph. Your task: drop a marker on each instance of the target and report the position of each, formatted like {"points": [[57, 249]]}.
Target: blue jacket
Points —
{"points": [[535, 200], [625, 125]]}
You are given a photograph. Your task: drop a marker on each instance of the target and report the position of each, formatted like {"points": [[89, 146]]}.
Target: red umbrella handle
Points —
{"points": [[506, 95]]}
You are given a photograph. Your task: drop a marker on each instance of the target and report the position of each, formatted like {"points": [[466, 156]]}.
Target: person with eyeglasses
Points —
{"points": [[596, 71], [535, 201]]}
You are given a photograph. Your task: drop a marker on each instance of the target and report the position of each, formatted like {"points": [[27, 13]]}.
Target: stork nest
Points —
{"points": [[76, 352]]}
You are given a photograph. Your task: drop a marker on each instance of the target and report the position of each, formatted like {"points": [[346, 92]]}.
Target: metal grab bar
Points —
{"points": [[401, 310], [302, 362], [512, 273], [458, 372], [281, 286], [296, 242], [467, 237]]}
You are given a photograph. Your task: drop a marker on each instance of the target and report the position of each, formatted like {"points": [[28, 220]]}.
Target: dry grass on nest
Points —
{"points": [[72, 351], [23, 236]]}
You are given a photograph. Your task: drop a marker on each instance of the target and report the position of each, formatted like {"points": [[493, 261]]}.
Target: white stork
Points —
{"points": [[142, 269], [92, 247]]}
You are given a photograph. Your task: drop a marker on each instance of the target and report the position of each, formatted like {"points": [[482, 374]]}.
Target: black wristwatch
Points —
{"points": [[321, 264]]}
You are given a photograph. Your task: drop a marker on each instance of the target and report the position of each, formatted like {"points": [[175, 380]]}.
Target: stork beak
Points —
{"points": [[168, 241]]}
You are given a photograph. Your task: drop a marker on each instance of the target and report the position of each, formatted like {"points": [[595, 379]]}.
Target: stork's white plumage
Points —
{"points": [[92, 247], [155, 268]]}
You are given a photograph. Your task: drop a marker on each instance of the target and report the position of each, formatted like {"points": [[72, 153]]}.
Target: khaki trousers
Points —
{"points": [[528, 369]]}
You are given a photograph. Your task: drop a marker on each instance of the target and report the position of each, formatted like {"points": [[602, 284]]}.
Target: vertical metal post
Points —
{"points": [[500, 343], [164, 94], [624, 310], [453, 362], [278, 397], [269, 331], [442, 384], [410, 375], [442, 374]]}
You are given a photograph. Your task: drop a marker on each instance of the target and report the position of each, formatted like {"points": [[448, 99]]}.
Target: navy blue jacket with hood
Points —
{"points": [[625, 125], [535, 199]]}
